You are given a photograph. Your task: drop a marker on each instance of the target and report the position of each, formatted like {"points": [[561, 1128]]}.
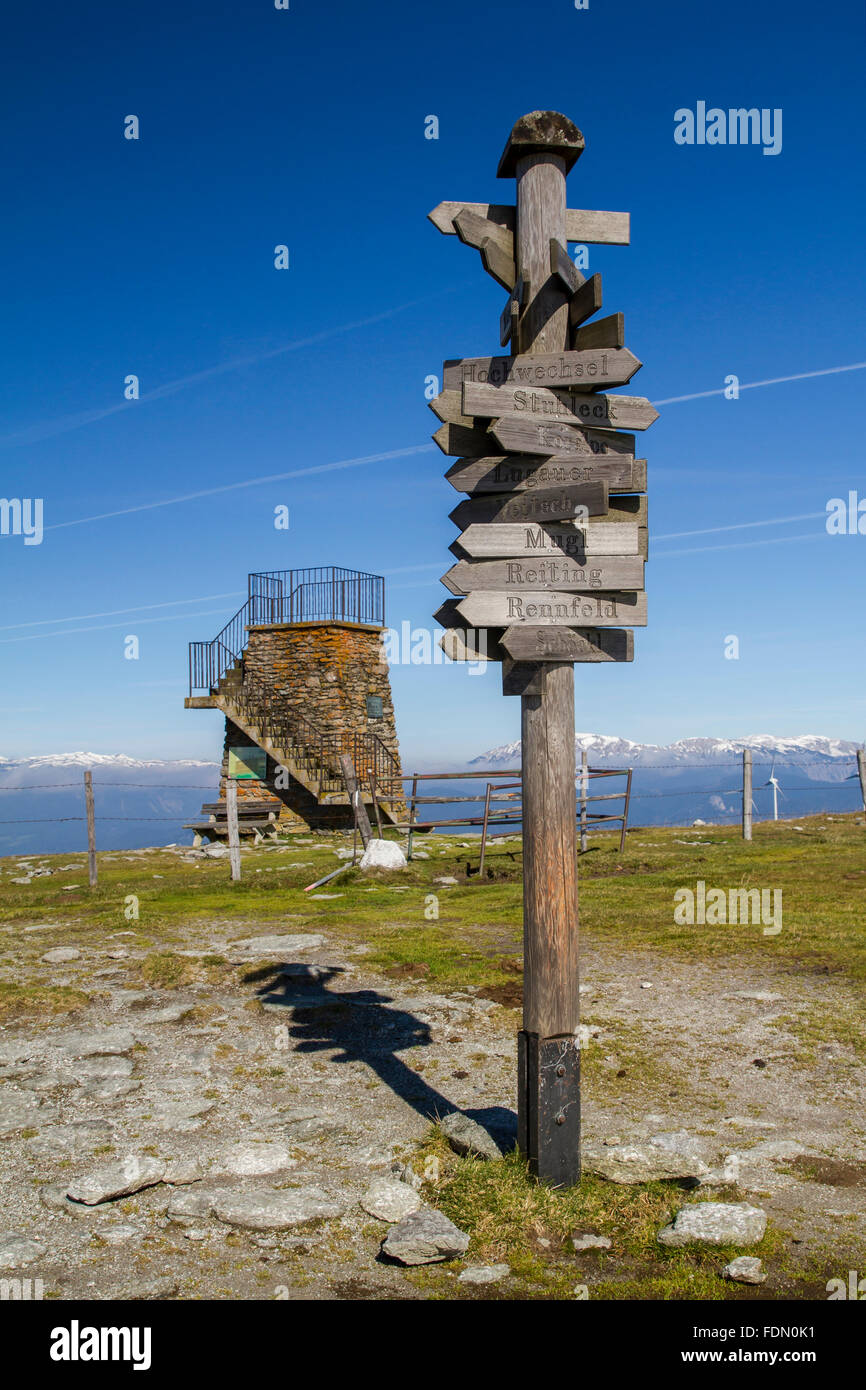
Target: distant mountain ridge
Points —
{"points": [[615, 751]]}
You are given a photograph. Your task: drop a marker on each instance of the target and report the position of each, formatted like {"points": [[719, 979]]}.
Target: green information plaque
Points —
{"points": [[246, 763]]}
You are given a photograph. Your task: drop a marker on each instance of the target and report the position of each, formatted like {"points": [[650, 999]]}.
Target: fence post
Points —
{"points": [[232, 818], [484, 829], [861, 768], [584, 783], [625, 811], [91, 828], [747, 794], [413, 815]]}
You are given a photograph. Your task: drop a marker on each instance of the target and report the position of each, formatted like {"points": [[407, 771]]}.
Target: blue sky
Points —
{"points": [[306, 127]]}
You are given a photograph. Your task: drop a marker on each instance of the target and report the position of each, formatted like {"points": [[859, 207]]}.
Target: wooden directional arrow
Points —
{"points": [[514, 576], [462, 643], [457, 439], [586, 300], [494, 242], [555, 440], [586, 370], [519, 473], [530, 643], [564, 268], [608, 332], [448, 407], [538, 504], [593, 228], [513, 538], [538, 404], [557, 606]]}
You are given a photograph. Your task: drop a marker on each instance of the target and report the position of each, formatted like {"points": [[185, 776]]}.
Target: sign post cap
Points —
{"points": [[541, 132]]}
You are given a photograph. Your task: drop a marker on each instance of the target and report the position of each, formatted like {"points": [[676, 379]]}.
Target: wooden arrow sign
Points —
{"points": [[494, 242], [587, 370], [519, 473], [562, 266], [448, 407], [457, 439], [511, 539], [540, 405], [523, 436], [581, 224], [515, 576], [585, 300], [462, 643], [538, 504], [529, 643], [558, 607], [608, 332]]}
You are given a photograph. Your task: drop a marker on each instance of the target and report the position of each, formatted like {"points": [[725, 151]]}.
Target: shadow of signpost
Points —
{"points": [[360, 1026]]}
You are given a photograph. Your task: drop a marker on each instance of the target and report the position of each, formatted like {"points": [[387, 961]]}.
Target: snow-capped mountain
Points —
{"points": [[139, 801], [611, 751]]}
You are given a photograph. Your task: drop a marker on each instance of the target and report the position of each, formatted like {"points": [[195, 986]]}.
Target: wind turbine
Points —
{"points": [[773, 781]]}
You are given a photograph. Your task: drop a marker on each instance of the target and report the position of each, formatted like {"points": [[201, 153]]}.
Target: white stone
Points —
{"points": [[119, 1179], [716, 1223], [60, 955], [745, 1269], [274, 1211], [424, 1238], [383, 854], [483, 1274], [388, 1199], [589, 1241], [17, 1250]]}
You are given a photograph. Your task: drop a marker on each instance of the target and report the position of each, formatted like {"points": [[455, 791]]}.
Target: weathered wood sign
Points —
{"points": [[540, 504], [516, 473], [550, 558], [594, 538], [593, 228], [458, 439], [607, 332], [529, 643], [538, 403], [520, 435], [509, 576], [555, 606], [585, 368]]}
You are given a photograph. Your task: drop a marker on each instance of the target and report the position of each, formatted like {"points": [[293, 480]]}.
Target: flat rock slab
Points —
{"points": [[60, 955], [631, 1163], [466, 1136], [17, 1250], [101, 1042], [120, 1179], [483, 1274], [253, 1160], [101, 1068], [276, 1211], [18, 1109], [716, 1223], [283, 946], [588, 1240], [424, 1238], [388, 1199]]}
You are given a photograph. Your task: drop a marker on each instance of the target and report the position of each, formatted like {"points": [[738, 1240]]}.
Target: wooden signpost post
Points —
{"points": [[550, 559]]}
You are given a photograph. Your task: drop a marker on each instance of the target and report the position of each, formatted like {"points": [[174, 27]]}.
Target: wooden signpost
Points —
{"points": [[550, 559], [519, 474]]}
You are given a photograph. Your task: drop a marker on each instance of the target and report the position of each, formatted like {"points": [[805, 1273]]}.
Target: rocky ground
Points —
{"points": [[257, 1131]]}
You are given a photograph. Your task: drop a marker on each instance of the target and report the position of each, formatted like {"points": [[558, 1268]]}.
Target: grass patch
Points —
{"points": [[168, 970], [47, 1001]]}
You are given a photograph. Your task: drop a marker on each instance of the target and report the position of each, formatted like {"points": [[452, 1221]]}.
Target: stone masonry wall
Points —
{"points": [[325, 672]]}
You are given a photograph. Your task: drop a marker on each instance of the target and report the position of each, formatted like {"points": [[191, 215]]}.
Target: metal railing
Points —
{"points": [[317, 751], [322, 594]]}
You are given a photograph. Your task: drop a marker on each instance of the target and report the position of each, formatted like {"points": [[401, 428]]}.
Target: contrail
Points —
{"points": [[741, 526], [35, 433], [248, 482], [102, 627], [737, 545], [117, 612], [771, 381]]}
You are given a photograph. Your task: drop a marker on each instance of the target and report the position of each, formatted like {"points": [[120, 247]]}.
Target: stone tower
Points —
{"points": [[300, 675]]}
